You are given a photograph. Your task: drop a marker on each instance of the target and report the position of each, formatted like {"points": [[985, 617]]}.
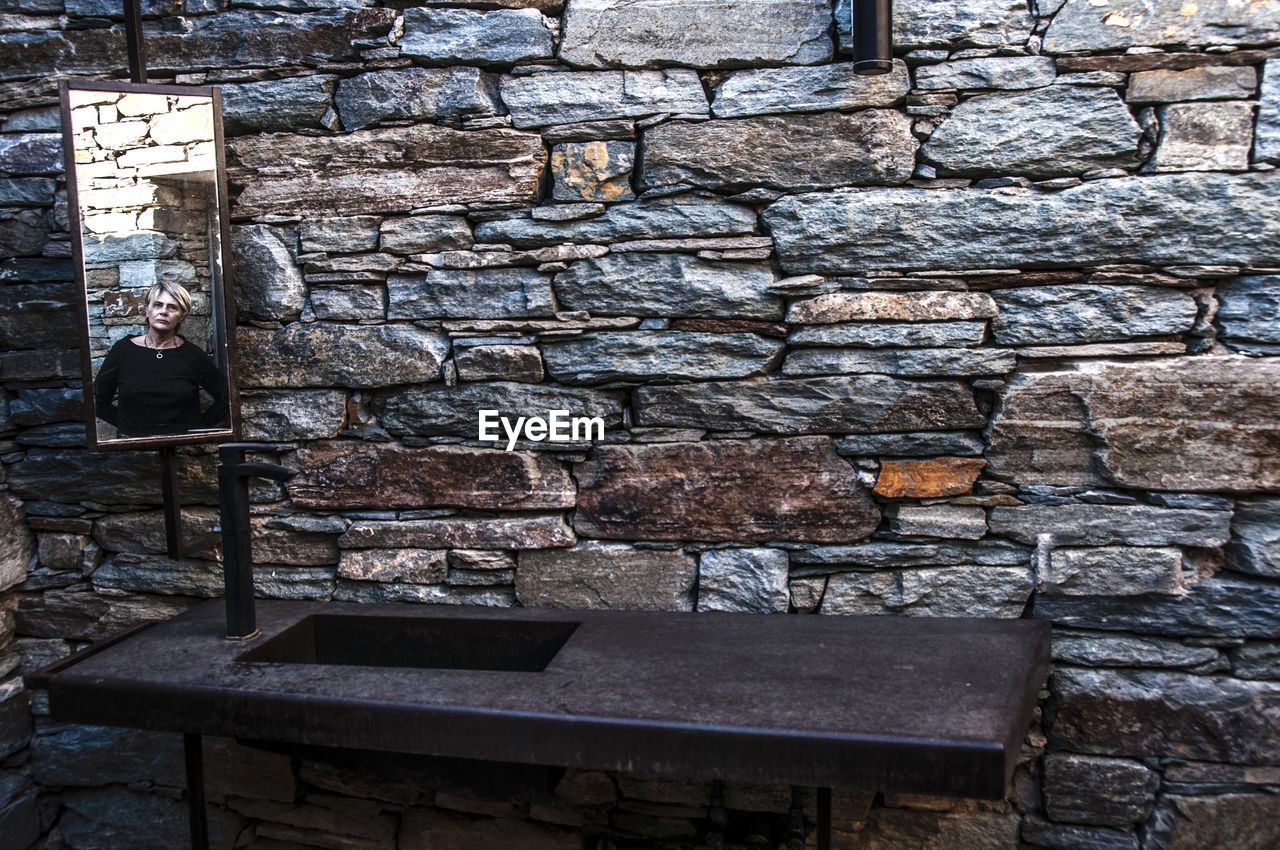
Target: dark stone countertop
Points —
{"points": [[912, 705]]}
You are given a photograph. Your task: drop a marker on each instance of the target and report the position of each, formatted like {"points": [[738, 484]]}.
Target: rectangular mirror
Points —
{"points": [[146, 189]]}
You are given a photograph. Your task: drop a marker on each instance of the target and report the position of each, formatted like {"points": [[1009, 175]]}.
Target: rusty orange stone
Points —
{"points": [[927, 479]]}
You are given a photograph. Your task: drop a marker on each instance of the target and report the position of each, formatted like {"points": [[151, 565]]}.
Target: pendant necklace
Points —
{"points": [[159, 354]]}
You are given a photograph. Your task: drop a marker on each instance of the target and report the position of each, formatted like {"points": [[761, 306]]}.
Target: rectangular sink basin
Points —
{"points": [[441, 644]]}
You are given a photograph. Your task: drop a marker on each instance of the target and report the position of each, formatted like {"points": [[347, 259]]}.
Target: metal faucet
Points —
{"points": [[234, 473]]}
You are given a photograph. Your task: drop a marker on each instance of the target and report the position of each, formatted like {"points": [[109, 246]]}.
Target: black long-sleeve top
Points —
{"points": [[146, 396]]}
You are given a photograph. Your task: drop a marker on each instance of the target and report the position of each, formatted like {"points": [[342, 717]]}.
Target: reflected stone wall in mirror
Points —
{"points": [[148, 196]]}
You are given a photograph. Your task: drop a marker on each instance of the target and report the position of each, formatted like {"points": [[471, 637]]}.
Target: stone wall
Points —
{"points": [[988, 336]]}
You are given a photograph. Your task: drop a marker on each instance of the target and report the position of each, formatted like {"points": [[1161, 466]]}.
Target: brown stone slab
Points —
{"points": [[928, 479], [729, 326], [338, 476], [388, 170], [751, 490], [891, 306], [1191, 423], [1158, 61]]}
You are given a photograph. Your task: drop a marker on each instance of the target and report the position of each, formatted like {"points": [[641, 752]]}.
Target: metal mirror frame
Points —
{"points": [[222, 315]]}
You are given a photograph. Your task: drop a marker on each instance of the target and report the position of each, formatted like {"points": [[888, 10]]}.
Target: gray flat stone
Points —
{"points": [[513, 532], [884, 554], [1095, 790], [1200, 717], [815, 89], [925, 444], [667, 218], [1255, 537], [930, 592], [1258, 660], [26, 191], [1060, 836], [1249, 312], [1094, 649], [292, 414], [115, 817], [326, 355], [348, 303], [881, 335], [1139, 219], [1109, 525], [416, 94], [752, 580], [964, 522], [1211, 82], [1046, 315], [1083, 27], [853, 404], [421, 234], [1266, 144], [268, 281], [453, 411], [1204, 137], [458, 293], [920, 362], [502, 36], [606, 575], [1112, 571], [272, 106], [668, 285], [1047, 132], [1228, 606], [1244, 820], [798, 152], [114, 478], [727, 34], [188, 577], [346, 235], [988, 72], [537, 100], [648, 355], [31, 153], [17, 545], [499, 362]]}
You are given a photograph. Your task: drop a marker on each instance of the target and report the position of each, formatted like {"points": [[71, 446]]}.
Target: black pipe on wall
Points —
{"points": [[872, 22]]}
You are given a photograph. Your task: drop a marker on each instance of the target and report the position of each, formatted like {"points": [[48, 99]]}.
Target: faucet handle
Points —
{"points": [[232, 453], [252, 447]]}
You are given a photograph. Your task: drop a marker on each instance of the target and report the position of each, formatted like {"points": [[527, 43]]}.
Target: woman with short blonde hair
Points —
{"points": [[149, 385]]}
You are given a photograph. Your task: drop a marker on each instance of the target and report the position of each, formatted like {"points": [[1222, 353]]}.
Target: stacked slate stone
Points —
{"points": [[992, 335]]}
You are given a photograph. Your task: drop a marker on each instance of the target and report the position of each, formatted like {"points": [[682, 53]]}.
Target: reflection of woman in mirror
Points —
{"points": [[149, 385]]}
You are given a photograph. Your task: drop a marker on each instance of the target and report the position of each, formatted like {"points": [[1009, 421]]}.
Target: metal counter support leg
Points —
{"points": [[194, 753], [824, 819]]}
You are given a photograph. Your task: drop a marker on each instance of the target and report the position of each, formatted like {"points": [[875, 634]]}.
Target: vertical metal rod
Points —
{"points": [[193, 752], [824, 819], [133, 40], [237, 558], [172, 506], [716, 817], [795, 820]]}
